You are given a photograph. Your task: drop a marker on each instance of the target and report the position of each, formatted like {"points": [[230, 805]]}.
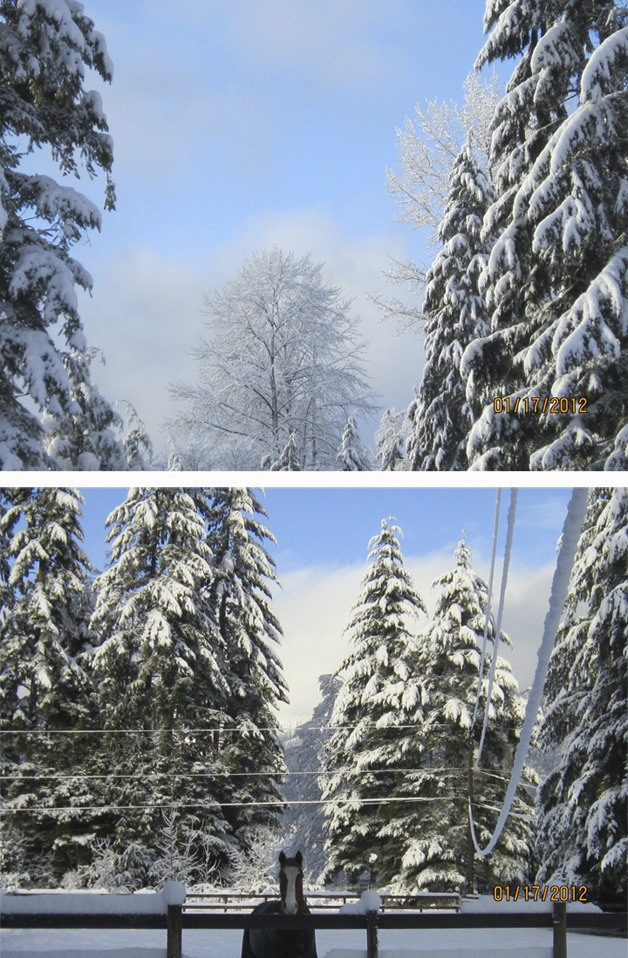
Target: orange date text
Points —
{"points": [[540, 893], [538, 405]]}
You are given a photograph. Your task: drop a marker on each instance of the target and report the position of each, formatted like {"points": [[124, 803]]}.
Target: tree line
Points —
{"points": [[138, 702], [139, 727], [522, 308]]}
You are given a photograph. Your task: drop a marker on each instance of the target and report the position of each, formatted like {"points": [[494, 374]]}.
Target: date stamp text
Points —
{"points": [[538, 405], [540, 893]]}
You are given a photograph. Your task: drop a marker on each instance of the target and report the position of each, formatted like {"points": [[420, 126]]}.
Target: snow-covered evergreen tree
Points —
{"points": [[83, 437], [240, 596], [352, 456], [455, 317], [435, 851], [390, 440], [161, 667], [44, 686], [556, 281], [582, 802], [45, 49], [381, 691], [289, 460]]}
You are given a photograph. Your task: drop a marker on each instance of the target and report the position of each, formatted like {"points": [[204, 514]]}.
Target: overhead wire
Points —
{"points": [[214, 730], [489, 601], [512, 512], [278, 803], [574, 521], [63, 776]]}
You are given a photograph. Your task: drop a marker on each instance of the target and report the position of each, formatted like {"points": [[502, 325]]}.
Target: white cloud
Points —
{"points": [[145, 316], [315, 604], [146, 312]]}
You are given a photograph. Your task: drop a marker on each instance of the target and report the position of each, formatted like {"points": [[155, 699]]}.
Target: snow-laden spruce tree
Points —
{"points": [[51, 416], [432, 835], [390, 440], [352, 456], [161, 668], [381, 691], [44, 686], [240, 596], [288, 461], [556, 281], [582, 803], [282, 356], [455, 316]]}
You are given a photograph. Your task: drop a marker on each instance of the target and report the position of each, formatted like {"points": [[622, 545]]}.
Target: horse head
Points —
{"points": [[291, 885], [277, 941]]}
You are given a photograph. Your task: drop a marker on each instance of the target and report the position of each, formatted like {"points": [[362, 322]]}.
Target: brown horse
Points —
{"points": [[282, 942]]}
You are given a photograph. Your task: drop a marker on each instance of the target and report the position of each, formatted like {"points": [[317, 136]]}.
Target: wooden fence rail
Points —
{"points": [[237, 901], [178, 920]]}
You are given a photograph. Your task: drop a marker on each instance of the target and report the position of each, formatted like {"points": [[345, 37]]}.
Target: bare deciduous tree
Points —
{"points": [[282, 357], [428, 147]]}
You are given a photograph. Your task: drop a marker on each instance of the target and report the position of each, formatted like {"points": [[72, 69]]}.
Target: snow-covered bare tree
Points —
{"points": [[160, 664], [582, 802], [428, 147], [431, 833], [455, 315], [556, 281], [381, 691], [254, 867], [44, 684], [282, 356], [48, 406]]}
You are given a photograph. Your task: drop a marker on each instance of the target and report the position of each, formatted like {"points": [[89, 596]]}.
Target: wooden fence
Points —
{"points": [[241, 901], [178, 920]]}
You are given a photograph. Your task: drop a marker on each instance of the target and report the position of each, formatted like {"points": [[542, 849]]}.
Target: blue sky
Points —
{"points": [[322, 540], [242, 125], [332, 526]]}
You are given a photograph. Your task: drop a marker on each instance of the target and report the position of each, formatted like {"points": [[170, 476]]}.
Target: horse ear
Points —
{"points": [[282, 858], [299, 859]]}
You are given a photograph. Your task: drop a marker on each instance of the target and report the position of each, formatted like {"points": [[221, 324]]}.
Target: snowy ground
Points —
{"points": [[430, 943], [514, 943]]}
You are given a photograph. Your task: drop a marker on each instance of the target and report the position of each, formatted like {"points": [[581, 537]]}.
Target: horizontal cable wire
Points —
{"points": [[220, 730], [268, 774], [45, 810]]}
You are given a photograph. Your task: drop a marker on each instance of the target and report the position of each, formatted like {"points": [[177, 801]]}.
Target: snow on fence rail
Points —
{"points": [[165, 910], [241, 901]]}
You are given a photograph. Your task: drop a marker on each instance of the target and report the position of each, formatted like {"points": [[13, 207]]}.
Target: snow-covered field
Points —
{"points": [[430, 943]]}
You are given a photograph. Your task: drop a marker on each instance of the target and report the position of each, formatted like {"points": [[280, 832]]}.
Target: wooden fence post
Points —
{"points": [[371, 934], [560, 929], [175, 931]]}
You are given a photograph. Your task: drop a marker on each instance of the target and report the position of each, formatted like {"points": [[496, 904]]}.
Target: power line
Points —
{"points": [[45, 810], [62, 776], [218, 730], [572, 529], [512, 512]]}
